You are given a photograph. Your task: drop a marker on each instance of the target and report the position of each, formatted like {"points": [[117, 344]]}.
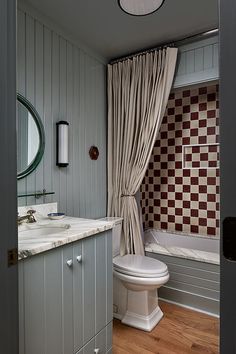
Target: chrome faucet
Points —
{"points": [[29, 218]]}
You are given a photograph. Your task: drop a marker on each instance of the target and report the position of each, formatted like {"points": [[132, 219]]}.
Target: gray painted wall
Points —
{"points": [[63, 82], [8, 237]]}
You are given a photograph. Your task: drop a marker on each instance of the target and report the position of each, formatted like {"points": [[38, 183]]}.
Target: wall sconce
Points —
{"points": [[62, 143]]}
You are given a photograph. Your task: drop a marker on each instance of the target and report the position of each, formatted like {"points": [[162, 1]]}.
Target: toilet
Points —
{"points": [[141, 276]]}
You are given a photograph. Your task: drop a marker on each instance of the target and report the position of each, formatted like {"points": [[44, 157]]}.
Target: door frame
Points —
{"points": [[8, 188], [227, 169]]}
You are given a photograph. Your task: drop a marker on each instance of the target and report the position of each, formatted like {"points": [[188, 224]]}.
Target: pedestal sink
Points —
{"points": [[28, 231]]}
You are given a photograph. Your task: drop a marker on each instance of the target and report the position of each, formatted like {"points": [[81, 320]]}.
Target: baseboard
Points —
{"points": [[117, 316]]}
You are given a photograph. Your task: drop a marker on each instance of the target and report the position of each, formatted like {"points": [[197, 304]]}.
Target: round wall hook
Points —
{"points": [[93, 153]]}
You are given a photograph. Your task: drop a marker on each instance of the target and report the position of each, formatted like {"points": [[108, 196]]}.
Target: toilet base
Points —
{"points": [[146, 323], [143, 311]]}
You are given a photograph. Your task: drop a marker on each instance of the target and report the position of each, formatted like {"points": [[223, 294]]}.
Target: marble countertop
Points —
{"points": [[77, 229], [113, 219], [207, 257]]}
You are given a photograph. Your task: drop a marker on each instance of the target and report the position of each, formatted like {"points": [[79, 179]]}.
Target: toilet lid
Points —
{"points": [[140, 266]]}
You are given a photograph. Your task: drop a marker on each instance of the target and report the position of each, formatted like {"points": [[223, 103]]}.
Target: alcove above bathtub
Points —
{"points": [[198, 62]]}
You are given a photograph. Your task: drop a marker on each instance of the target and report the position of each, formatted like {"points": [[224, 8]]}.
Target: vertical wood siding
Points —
{"points": [[197, 62], [64, 83]]}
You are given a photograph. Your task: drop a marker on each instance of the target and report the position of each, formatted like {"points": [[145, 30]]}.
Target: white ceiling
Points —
{"points": [[103, 27]]}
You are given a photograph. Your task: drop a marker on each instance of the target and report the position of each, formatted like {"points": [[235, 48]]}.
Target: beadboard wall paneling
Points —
{"points": [[198, 62], [63, 82]]}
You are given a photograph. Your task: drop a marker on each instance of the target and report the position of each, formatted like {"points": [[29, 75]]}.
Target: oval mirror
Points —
{"points": [[30, 137]]}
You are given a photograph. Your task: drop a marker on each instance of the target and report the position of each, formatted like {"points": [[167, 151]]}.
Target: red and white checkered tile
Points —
{"points": [[201, 156], [180, 191]]}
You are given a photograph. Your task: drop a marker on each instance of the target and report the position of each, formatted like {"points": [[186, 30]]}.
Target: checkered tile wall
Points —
{"points": [[180, 191]]}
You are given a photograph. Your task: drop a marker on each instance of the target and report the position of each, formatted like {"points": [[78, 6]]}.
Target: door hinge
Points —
{"points": [[12, 256]]}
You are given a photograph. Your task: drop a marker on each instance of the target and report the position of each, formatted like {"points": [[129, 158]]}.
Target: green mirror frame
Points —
{"points": [[40, 127]]}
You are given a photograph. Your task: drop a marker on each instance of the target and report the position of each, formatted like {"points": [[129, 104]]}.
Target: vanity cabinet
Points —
{"points": [[66, 298]]}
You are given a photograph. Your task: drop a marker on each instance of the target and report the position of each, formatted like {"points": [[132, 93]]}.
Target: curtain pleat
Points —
{"points": [[138, 92]]}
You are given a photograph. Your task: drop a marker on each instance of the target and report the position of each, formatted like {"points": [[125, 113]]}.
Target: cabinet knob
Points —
{"points": [[79, 259], [69, 262], [96, 351]]}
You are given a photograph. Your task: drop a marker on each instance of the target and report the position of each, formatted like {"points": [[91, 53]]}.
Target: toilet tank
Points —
{"points": [[116, 235]]}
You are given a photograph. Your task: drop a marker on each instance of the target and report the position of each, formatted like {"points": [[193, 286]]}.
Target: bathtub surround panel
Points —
{"points": [[64, 82], [203, 249], [180, 191], [192, 283]]}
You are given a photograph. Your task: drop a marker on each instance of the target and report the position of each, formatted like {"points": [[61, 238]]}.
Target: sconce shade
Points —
{"points": [[62, 143]]}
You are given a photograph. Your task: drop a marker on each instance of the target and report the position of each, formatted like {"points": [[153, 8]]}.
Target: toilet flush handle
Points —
{"points": [[96, 351]]}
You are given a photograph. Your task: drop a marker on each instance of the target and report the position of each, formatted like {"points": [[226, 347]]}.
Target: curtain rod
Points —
{"points": [[179, 42]]}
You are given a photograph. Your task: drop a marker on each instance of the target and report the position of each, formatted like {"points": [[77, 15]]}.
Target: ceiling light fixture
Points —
{"points": [[140, 7]]}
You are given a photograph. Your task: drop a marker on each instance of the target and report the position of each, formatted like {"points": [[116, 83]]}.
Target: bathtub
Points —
{"points": [[194, 267], [195, 247]]}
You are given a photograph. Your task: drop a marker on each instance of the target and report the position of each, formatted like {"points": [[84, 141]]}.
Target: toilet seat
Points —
{"points": [[140, 266], [141, 283]]}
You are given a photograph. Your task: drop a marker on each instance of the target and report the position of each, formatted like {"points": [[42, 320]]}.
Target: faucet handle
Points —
{"points": [[31, 211], [31, 217]]}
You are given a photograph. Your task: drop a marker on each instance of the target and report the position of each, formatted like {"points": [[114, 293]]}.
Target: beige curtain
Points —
{"points": [[138, 92]]}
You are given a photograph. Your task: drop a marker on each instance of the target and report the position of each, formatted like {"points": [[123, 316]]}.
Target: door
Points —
{"points": [[8, 239], [228, 174]]}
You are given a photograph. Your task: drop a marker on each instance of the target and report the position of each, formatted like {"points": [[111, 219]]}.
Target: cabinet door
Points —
{"points": [[89, 347], [68, 265], [100, 342], [34, 305], [78, 295], [42, 306], [104, 280], [109, 330], [101, 281], [109, 256], [53, 302], [88, 267]]}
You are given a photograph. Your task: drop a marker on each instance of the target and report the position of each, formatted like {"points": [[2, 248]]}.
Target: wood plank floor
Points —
{"points": [[181, 331]]}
